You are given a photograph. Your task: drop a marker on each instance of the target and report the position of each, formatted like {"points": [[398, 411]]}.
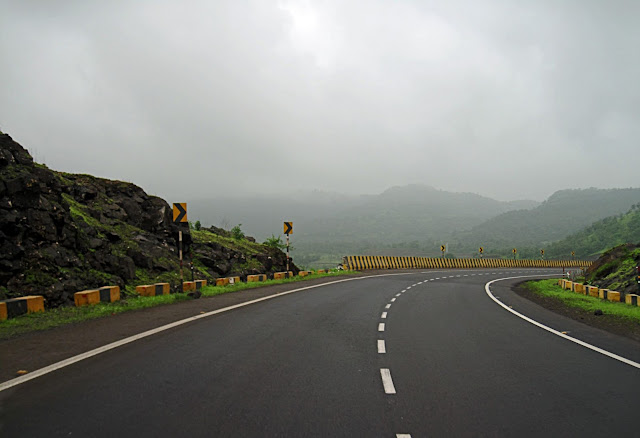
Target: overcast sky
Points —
{"points": [[509, 99]]}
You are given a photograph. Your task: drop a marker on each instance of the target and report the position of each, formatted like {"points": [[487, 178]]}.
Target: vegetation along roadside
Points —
{"points": [[66, 315], [618, 318]]}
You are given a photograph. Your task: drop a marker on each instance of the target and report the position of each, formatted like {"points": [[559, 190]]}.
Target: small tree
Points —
{"points": [[198, 225], [237, 233]]}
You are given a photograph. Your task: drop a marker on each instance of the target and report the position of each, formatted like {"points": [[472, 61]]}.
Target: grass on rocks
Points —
{"points": [[67, 315], [550, 288]]}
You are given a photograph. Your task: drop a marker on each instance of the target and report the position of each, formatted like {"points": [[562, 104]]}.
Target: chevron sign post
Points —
{"points": [[288, 229], [180, 217]]}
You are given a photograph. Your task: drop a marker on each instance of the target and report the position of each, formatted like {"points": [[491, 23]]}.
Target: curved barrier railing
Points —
{"points": [[360, 263]]}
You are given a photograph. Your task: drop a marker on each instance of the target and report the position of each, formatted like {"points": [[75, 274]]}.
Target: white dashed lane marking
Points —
{"points": [[382, 348], [387, 306], [387, 382], [393, 300], [381, 327], [384, 315]]}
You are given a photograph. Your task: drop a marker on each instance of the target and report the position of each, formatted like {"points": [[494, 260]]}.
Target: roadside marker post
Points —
{"points": [[514, 251], [288, 229], [542, 254], [443, 248], [481, 250], [179, 218]]}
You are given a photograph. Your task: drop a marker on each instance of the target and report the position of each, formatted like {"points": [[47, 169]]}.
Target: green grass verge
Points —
{"points": [[67, 315], [550, 288]]}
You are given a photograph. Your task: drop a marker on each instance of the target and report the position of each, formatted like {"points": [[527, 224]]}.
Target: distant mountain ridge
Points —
{"points": [[563, 213]]}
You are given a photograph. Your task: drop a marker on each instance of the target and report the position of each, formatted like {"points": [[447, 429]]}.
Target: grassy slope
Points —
{"points": [[550, 288]]}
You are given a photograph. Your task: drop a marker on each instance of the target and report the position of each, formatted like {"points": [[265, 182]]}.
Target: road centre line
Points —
{"points": [[387, 382], [384, 315], [381, 327], [549, 329], [393, 300], [403, 435], [382, 348], [387, 306], [397, 295]]}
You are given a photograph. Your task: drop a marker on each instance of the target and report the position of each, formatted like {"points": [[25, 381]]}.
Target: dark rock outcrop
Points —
{"points": [[61, 233]]}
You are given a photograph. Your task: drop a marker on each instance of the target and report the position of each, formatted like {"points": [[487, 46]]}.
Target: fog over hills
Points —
{"points": [[411, 217], [413, 220], [398, 214]]}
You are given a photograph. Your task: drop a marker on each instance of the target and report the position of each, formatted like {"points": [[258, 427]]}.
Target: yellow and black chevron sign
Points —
{"points": [[180, 212]]}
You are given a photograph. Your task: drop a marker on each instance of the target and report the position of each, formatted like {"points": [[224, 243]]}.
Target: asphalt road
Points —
{"points": [[425, 354]]}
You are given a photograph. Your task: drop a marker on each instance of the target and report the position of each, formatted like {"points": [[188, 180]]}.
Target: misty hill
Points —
{"points": [[564, 213], [410, 217], [600, 236], [408, 213], [61, 233]]}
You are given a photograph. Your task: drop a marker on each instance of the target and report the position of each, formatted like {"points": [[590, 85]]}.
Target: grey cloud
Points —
{"points": [[507, 99]]}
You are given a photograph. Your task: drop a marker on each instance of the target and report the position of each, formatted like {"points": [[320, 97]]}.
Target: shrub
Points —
{"points": [[237, 233], [275, 242]]}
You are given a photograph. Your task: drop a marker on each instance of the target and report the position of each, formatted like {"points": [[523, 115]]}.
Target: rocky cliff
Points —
{"points": [[61, 233]]}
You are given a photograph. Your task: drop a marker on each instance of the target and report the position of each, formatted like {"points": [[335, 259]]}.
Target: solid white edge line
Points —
{"points": [[549, 329], [381, 327], [387, 383], [382, 348]]}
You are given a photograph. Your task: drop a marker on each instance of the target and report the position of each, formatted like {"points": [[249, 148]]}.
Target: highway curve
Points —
{"points": [[420, 354]]}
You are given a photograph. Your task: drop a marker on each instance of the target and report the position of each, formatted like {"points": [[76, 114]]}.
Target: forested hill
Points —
{"points": [[564, 213], [600, 236]]}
